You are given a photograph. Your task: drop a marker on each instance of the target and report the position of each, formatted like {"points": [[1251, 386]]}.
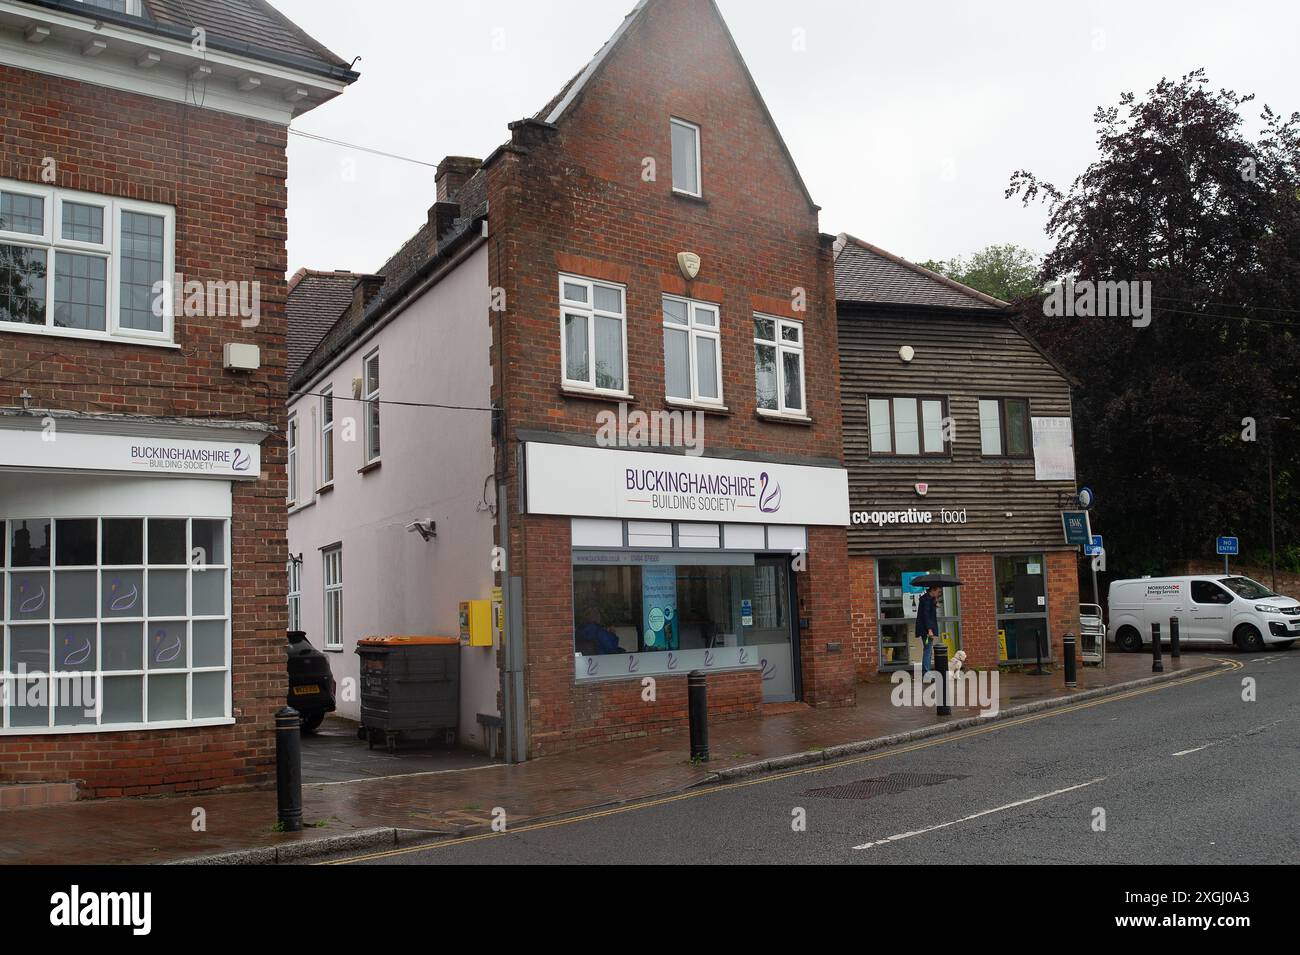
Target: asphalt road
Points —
{"points": [[1184, 773]]}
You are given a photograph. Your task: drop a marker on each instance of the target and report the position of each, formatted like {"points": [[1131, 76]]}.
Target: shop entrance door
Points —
{"points": [[766, 614]]}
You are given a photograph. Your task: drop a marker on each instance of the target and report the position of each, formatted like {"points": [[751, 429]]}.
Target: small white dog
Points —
{"points": [[958, 661]]}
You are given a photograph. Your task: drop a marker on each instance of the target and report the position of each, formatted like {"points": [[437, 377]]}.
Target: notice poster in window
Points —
{"points": [[659, 608], [1053, 449], [911, 594]]}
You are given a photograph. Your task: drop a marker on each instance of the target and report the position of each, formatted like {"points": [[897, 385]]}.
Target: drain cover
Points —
{"points": [[882, 785]]}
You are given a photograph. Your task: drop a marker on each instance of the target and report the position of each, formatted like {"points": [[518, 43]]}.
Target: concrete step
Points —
{"points": [[30, 795]]}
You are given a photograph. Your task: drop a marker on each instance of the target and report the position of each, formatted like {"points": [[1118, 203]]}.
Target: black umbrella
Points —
{"points": [[936, 580]]}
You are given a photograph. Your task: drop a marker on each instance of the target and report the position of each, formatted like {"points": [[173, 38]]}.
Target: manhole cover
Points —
{"points": [[882, 785]]}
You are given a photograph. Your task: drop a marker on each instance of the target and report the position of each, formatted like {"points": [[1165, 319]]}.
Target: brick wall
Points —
{"points": [[573, 198], [979, 628], [1063, 599], [864, 617], [226, 178]]}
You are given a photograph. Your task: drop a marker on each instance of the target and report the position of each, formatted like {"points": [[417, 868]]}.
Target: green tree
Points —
{"points": [[1008, 272]]}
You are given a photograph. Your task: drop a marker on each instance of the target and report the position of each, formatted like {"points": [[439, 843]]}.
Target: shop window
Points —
{"points": [[898, 599], [84, 265], [634, 616], [692, 351], [593, 335], [1005, 428], [907, 426], [332, 560], [687, 176], [113, 623], [778, 365], [1021, 589]]}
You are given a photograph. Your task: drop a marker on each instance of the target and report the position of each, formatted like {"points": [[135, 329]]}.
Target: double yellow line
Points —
{"points": [[1228, 665]]}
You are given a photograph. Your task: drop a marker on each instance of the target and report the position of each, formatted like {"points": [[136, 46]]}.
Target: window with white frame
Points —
{"points": [[292, 465], [84, 265], [593, 334], [907, 425], [295, 594], [778, 365], [327, 437], [332, 558], [113, 623], [131, 7], [692, 350], [686, 158], [370, 392]]}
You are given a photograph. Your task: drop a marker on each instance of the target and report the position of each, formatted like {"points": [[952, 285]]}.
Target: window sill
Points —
{"points": [[17, 328], [688, 197], [372, 466], [568, 391], [331, 649], [295, 508], [720, 410], [779, 417], [324, 489]]}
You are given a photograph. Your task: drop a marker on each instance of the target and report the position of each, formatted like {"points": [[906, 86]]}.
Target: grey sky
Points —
{"points": [[906, 120]]}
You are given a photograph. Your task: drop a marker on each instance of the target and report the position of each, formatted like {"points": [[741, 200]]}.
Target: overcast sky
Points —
{"points": [[906, 119]]}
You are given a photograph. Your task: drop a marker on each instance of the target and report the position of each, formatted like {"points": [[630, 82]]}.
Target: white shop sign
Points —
{"points": [[1053, 449], [601, 482], [62, 450]]}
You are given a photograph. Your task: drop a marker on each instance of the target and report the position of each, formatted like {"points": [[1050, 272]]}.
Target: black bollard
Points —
{"points": [[1175, 648], [697, 706], [288, 768], [1071, 673], [1157, 665], [941, 671]]}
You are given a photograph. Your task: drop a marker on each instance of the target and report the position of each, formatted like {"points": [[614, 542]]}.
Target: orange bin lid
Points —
{"points": [[406, 641]]}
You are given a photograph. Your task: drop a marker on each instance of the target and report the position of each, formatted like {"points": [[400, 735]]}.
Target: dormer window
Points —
{"points": [[687, 177]]}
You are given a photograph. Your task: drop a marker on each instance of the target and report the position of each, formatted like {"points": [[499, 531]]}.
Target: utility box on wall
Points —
{"points": [[476, 623]]}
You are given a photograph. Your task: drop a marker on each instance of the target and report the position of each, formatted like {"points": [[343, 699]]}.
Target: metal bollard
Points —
{"points": [[288, 768], [1157, 665], [697, 706], [1071, 671], [1175, 648], [941, 668], [1038, 649]]}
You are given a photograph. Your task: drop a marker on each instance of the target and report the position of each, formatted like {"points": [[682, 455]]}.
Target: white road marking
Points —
{"points": [[1186, 752], [987, 812], [1250, 732]]}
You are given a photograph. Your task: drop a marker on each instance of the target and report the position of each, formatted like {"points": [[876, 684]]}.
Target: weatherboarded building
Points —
{"points": [[957, 439]]}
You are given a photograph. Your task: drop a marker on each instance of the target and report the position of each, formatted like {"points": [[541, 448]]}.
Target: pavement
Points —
{"points": [[1185, 772], [434, 795]]}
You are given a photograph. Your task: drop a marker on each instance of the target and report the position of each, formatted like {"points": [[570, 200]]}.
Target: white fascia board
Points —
{"points": [[117, 67]]}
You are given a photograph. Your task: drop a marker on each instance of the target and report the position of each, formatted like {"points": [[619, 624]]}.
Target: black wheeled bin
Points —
{"points": [[410, 689]]}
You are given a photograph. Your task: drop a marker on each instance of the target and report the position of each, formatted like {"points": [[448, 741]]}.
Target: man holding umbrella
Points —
{"points": [[927, 612], [927, 623]]}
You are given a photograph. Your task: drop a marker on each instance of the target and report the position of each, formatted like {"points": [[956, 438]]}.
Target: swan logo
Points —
{"points": [[769, 495], [165, 652], [592, 666], [241, 462], [122, 601], [72, 658], [33, 603]]}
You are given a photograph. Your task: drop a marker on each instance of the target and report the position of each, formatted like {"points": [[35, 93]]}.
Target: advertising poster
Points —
{"points": [[659, 608], [911, 594]]}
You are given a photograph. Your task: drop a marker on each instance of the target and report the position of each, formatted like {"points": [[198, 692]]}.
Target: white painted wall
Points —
{"points": [[434, 465]]}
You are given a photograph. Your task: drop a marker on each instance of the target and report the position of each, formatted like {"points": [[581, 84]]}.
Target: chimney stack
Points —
{"points": [[453, 173]]}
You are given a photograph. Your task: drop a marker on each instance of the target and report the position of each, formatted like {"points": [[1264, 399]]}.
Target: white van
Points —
{"points": [[1211, 609]]}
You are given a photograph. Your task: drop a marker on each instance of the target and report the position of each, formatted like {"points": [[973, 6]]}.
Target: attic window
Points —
{"points": [[686, 158]]}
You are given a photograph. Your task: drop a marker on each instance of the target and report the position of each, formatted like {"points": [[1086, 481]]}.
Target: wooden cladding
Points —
{"points": [[977, 502]]}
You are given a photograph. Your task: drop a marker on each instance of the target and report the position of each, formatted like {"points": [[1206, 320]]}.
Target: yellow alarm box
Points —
{"points": [[476, 623]]}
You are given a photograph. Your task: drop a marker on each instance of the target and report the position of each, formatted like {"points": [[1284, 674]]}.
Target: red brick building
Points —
{"points": [[957, 435], [653, 261], [142, 355]]}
